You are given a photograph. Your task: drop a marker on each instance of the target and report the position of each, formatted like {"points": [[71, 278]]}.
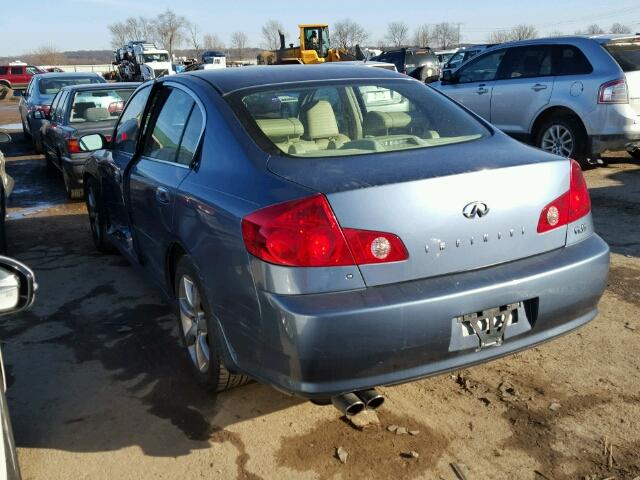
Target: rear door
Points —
{"points": [[522, 88], [474, 83], [174, 130], [18, 77], [627, 54]]}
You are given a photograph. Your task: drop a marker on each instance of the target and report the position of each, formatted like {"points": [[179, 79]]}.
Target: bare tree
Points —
{"points": [[347, 34], [140, 28], [119, 34], [445, 34], [619, 28], [422, 36], [212, 42], [523, 32], [556, 33], [47, 55], [270, 34], [594, 29], [499, 36], [397, 33], [170, 29], [194, 37], [239, 42]]}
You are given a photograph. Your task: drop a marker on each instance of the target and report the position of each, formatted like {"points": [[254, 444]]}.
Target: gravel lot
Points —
{"points": [[99, 388]]}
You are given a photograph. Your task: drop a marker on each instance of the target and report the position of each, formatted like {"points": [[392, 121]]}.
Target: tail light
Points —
{"points": [[568, 207], [614, 92], [42, 108], [305, 233], [115, 107], [73, 146]]}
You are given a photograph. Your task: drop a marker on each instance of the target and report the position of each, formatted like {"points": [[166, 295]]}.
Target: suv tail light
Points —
{"points": [[614, 92], [73, 146], [306, 233], [568, 207]]}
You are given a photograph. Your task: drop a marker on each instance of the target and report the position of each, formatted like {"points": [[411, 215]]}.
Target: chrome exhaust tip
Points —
{"points": [[349, 404], [371, 398]]}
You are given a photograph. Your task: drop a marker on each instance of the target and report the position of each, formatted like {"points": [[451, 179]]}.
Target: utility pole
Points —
{"points": [[458, 39]]}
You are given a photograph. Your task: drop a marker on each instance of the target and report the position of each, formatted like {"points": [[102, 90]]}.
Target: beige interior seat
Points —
{"points": [[321, 128], [283, 132], [394, 123]]}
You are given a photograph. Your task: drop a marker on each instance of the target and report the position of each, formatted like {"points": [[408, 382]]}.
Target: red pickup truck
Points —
{"points": [[17, 76]]}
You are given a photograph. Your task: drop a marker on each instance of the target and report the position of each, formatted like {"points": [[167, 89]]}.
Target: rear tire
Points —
{"points": [[563, 135], [198, 331]]}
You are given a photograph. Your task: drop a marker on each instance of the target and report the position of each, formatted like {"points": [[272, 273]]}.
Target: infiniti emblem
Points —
{"points": [[475, 209]]}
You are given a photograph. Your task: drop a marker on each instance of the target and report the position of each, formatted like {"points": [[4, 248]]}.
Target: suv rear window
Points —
{"points": [[626, 53], [51, 86], [345, 119]]}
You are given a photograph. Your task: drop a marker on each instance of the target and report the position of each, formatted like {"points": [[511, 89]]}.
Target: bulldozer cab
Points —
{"points": [[314, 38]]}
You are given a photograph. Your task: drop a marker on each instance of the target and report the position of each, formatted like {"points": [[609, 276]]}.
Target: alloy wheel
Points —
{"points": [[558, 139], [194, 323]]}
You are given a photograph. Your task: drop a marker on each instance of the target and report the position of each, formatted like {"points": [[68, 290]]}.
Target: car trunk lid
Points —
{"points": [[441, 218]]}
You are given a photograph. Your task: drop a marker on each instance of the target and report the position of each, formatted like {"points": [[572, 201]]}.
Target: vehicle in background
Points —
{"points": [[572, 96], [6, 187], [215, 59], [139, 61], [38, 95], [367, 63], [79, 110], [17, 292], [419, 63], [284, 208], [464, 54], [54, 69], [445, 55], [17, 76]]}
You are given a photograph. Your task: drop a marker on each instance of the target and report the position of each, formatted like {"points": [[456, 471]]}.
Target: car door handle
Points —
{"points": [[482, 90], [162, 195], [538, 86]]}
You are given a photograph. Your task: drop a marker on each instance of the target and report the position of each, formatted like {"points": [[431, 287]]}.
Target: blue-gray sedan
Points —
{"points": [[328, 229]]}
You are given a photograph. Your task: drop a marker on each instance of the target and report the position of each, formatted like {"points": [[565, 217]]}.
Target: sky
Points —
{"points": [[82, 24]]}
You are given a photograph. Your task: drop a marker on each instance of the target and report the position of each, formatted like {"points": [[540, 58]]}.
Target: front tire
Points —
{"points": [[564, 136], [198, 331]]}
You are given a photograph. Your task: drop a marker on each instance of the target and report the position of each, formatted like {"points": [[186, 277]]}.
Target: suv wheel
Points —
{"points": [[562, 136], [198, 331]]}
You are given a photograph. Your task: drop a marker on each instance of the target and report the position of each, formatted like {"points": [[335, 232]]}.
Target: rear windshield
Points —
{"points": [[626, 53], [51, 86], [353, 118], [98, 105]]}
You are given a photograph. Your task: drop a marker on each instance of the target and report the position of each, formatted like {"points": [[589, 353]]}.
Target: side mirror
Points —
{"points": [[92, 142], [17, 286], [448, 77], [5, 137]]}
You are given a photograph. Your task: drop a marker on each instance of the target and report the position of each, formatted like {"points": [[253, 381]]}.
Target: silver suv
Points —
{"points": [[573, 96]]}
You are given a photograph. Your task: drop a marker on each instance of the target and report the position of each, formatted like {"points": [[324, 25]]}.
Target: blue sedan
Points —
{"points": [[331, 229]]}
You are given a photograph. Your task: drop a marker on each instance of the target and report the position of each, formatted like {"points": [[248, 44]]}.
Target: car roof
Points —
{"points": [[231, 79], [102, 86], [601, 39]]}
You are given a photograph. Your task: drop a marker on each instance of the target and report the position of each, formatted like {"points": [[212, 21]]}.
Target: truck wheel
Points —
{"points": [[563, 135], [198, 331], [96, 217]]}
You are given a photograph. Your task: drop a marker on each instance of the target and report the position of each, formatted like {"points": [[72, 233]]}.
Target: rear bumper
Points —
{"points": [[339, 342]]}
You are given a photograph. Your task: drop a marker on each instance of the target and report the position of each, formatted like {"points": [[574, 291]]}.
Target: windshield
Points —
{"points": [[627, 54], [155, 57], [353, 119], [51, 86], [455, 60], [99, 105]]}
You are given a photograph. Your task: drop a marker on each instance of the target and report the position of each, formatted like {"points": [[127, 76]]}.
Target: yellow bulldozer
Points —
{"points": [[314, 47]]}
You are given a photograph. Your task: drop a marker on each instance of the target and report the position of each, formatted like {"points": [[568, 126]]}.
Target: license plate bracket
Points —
{"points": [[489, 325]]}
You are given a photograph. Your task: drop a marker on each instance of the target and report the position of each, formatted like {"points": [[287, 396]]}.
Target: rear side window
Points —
{"points": [[16, 70], [526, 62], [191, 137], [569, 60], [129, 125], [626, 53]]}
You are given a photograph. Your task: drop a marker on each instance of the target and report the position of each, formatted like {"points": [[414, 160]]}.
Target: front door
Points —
{"points": [[523, 87], [473, 83], [174, 130]]}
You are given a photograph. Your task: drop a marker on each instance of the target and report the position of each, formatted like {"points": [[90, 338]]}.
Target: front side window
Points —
{"points": [[355, 118], [129, 125], [172, 109], [526, 62], [483, 69]]}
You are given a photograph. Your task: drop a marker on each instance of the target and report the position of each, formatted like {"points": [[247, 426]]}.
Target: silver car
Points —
{"points": [[572, 96]]}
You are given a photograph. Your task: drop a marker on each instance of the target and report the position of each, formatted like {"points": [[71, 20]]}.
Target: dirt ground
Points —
{"points": [[99, 388]]}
